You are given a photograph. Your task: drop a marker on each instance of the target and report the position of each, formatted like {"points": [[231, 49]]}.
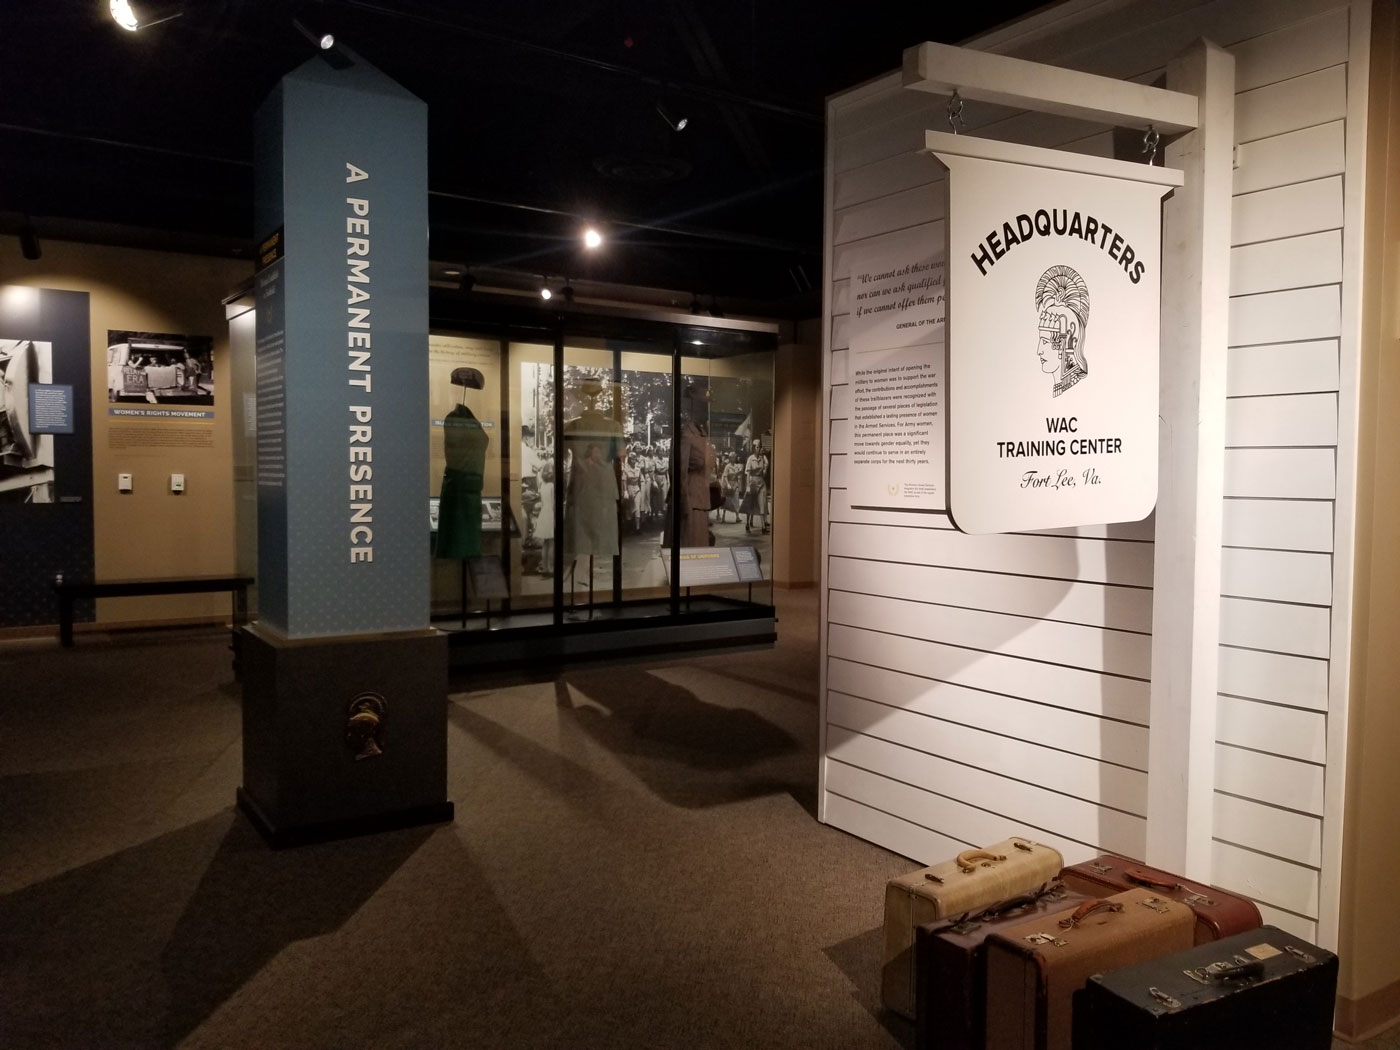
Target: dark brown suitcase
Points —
{"points": [[1034, 968], [1265, 989], [951, 968], [1218, 913]]}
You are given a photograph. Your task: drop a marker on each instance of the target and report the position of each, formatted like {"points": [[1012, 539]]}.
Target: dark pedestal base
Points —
{"points": [[343, 736], [308, 834]]}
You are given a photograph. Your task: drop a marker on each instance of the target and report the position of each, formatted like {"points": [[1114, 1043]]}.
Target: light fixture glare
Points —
{"points": [[676, 124], [124, 16], [546, 294], [327, 41], [592, 238]]}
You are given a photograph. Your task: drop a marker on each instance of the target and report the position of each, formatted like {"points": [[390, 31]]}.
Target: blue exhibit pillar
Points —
{"points": [[345, 686]]}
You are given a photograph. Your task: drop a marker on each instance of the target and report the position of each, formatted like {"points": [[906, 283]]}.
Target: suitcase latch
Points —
{"points": [[1300, 953], [1046, 938], [1156, 904], [964, 927], [1101, 869], [933, 878], [1198, 900], [1024, 846], [1165, 999]]}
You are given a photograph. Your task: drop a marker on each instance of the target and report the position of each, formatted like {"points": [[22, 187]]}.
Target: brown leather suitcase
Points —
{"points": [[951, 968], [970, 882], [1218, 913], [1034, 968]]}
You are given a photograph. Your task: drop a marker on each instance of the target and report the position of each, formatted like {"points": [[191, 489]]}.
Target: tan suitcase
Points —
{"points": [[972, 881], [1034, 969]]}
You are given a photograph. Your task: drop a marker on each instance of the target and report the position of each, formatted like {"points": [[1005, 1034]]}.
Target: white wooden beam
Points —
{"points": [[1186, 576], [941, 68]]}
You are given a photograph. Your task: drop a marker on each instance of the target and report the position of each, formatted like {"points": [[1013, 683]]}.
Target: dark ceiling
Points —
{"points": [[541, 114]]}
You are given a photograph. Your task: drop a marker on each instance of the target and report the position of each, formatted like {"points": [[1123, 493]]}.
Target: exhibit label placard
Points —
{"points": [[1053, 334], [896, 348]]}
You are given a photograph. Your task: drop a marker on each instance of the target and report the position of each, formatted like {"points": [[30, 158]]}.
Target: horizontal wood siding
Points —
{"points": [[983, 686]]}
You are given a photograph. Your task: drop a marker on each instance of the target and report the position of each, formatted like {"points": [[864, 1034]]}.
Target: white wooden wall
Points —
{"points": [[982, 686]]}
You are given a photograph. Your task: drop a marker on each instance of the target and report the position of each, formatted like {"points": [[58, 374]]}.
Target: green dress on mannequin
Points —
{"points": [[459, 511]]}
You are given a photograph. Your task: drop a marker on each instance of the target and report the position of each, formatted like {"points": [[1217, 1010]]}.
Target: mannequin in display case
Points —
{"points": [[593, 440], [697, 467], [464, 443]]}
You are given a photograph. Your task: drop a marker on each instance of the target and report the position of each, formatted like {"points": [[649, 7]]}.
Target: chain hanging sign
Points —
{"points": [[1053, 323]]}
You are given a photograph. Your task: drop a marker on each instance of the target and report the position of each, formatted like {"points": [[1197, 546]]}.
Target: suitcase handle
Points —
{"points": [[1224, 972], [1086, 909], [968, 860], [1142, 878]]}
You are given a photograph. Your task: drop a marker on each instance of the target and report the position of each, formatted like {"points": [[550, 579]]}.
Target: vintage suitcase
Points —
{"points": [[1034, 968], [1218, 913], [970, 882], [950, 970], [1261, 990]]}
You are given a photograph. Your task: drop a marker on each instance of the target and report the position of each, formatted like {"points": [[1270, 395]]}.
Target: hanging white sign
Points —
{"points": [[896, 371], [1053, 330]]}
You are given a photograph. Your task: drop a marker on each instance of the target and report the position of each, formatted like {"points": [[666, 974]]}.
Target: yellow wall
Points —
{"points": [[151, 532], [1370, 931]]}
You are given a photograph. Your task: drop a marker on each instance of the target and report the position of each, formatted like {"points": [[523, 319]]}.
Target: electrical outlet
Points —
{"points": [[123, 482], [177, 483]]}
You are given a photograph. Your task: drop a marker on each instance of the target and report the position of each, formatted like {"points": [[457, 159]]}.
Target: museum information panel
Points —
{"points": [[897, 426], [342, 340]]}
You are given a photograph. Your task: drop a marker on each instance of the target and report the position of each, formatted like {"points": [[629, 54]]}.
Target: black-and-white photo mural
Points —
{"points": [[45, 450], [26, 455]]}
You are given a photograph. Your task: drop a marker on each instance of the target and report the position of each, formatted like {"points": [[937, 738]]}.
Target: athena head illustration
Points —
{"points": [[1062, 306]]}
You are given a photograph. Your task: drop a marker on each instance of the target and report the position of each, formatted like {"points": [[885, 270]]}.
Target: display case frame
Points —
{"points": [[622, 619]]}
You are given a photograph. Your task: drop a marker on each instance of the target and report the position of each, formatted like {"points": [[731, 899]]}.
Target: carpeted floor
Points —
{"points": [[635, 863]]}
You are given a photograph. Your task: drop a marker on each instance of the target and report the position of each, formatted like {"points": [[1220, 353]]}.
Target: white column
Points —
{"points": [[1186, 596]]}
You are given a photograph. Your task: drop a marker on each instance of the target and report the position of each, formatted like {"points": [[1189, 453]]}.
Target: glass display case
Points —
{"points": [[600, 484]]}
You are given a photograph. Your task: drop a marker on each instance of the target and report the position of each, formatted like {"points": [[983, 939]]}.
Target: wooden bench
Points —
{"points": [[70, 591]]}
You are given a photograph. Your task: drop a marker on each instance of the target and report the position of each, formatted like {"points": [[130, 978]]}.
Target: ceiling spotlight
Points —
{"points": [[452, 273], [141, 15], [676, 124], [592, 238], [546, 294], [325, 43]]}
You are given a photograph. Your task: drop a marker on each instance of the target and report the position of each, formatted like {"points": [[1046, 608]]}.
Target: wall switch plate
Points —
{"points": [[123, 482], [177, 483]]}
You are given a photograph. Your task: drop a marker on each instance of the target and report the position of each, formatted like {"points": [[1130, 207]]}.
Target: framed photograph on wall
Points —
{"points": [[157, 368]]}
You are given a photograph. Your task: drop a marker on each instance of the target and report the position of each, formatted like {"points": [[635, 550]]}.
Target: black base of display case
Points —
{"points": [[608, 631]]}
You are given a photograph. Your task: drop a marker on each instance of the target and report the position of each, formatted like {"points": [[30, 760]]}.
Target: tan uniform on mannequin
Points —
{"points": [[594, 439], [697, 465]]}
